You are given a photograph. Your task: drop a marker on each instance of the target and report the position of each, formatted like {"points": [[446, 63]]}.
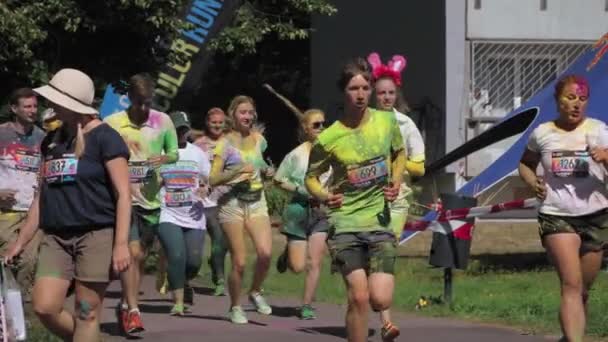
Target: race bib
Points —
{"points": [[139, 171], [62, 170], [570, 163], [179, 176], [27, 160], [368, 173], [177, 198]]}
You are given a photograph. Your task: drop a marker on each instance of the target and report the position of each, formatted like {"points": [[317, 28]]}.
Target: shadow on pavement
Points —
{"points": [[205, 291], [284, 311], [332, 331]]}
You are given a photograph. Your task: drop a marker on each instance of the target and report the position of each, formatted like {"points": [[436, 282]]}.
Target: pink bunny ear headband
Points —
{"points": [[393, 69]]}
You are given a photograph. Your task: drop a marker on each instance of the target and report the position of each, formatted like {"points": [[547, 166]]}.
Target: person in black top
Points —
{"points": [[83, 206]]}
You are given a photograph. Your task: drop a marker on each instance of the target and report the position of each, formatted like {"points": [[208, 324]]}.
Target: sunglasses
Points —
{"points": [[318, 124]]}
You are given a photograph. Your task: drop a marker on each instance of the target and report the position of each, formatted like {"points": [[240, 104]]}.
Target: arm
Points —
{"points": [[170, 146], [414, 164], [219, 176], [119, 175], [527, 171], [29, 227], [398, 165]]}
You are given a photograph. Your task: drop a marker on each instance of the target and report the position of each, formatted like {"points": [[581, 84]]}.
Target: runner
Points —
{"points": [[238, 161], [182, 221], [19, 164], [215, 126], [83, 208], [573, 215], [148, 134], [304, 222], [363, 148], [387, 86]]}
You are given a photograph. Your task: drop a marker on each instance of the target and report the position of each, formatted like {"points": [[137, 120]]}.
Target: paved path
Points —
{"points": [[206, 323]]}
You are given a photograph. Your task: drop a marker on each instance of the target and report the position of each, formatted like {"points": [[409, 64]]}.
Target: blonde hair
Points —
{"points": [[304, 119], [234, 104], [61, 136]]}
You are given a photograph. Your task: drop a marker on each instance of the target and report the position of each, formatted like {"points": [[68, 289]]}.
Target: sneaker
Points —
{"points": [[220, 290], [122, 317], [282, 261], [389, 332], [177, 310], [260, 303], [237, 315], [188, 295], [307, 312], [134, 324]]}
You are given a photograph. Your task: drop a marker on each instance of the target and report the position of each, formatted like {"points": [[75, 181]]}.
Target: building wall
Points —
{"points": [[415, 29], [524, 19]]}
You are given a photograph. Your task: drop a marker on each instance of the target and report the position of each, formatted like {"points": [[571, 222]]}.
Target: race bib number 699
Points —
{"points": [[368, 173]]}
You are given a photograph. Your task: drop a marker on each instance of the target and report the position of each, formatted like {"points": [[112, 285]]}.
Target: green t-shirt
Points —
{"points": [[360, 159]]}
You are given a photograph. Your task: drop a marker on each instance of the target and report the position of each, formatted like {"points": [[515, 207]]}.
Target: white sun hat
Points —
{"points": [[71, 89]]}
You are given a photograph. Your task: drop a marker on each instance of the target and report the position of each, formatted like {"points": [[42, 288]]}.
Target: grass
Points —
{"points": [[528, 300]]}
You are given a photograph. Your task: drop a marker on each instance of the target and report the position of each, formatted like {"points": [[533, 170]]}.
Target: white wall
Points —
{"points": [[523, 19]]}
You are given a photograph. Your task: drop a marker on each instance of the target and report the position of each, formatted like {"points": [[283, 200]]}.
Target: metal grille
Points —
{"points": [[505, 74]]}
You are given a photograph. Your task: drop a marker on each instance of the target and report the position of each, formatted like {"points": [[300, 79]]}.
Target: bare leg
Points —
{"points": [[316, 250], [89, 297], [296, 251], [564, 251], [48, 296], [259, 230], [234, 232], [358, 305]]}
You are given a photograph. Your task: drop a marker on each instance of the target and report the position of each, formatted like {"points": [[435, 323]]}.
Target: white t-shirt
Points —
{"points": [[180, 203], [575, 183], [293, 168], [412, 139], [208, 146]]}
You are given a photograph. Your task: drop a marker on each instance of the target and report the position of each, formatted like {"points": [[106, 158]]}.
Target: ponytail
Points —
{"points": [[80, 144]]}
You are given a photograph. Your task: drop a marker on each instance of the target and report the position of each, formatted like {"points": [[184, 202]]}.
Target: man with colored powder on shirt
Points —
{"points": [[152, 141], [19, 164]]}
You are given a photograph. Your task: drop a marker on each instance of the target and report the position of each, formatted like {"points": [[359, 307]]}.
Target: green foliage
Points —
{"points": [[256, 20], [110, 39], [276, 199]]}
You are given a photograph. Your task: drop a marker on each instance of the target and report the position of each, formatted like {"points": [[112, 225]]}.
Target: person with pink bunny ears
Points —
{"points": [[388, 96]]}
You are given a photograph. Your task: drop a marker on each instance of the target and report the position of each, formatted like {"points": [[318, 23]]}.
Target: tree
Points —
{"points": [[113, 39]]}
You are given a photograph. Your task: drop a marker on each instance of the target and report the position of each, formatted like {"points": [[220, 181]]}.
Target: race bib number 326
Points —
{"points": [[570, 163], [368, 173]]}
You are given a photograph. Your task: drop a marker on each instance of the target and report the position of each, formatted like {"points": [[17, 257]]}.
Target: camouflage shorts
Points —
{"points": [[592, 228], [374, 252]]}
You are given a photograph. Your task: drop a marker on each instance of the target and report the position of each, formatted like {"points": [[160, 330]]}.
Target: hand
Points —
{"points": [[13, 250], [269, 172], [334, 200], [203, 190], [391, 191], [197, 211], [156, 162], [599, 155], [7, 198], [121, 258], [540, 189]]}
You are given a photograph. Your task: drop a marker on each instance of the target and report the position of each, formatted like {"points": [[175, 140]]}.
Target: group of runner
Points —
{"points": [[87, 200]]}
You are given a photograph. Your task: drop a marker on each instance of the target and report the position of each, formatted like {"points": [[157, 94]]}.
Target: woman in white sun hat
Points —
{"points": [[83, 206]]}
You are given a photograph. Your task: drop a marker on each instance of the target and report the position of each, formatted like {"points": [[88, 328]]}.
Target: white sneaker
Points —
{"points": [[260, 303], [237, 315]]}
